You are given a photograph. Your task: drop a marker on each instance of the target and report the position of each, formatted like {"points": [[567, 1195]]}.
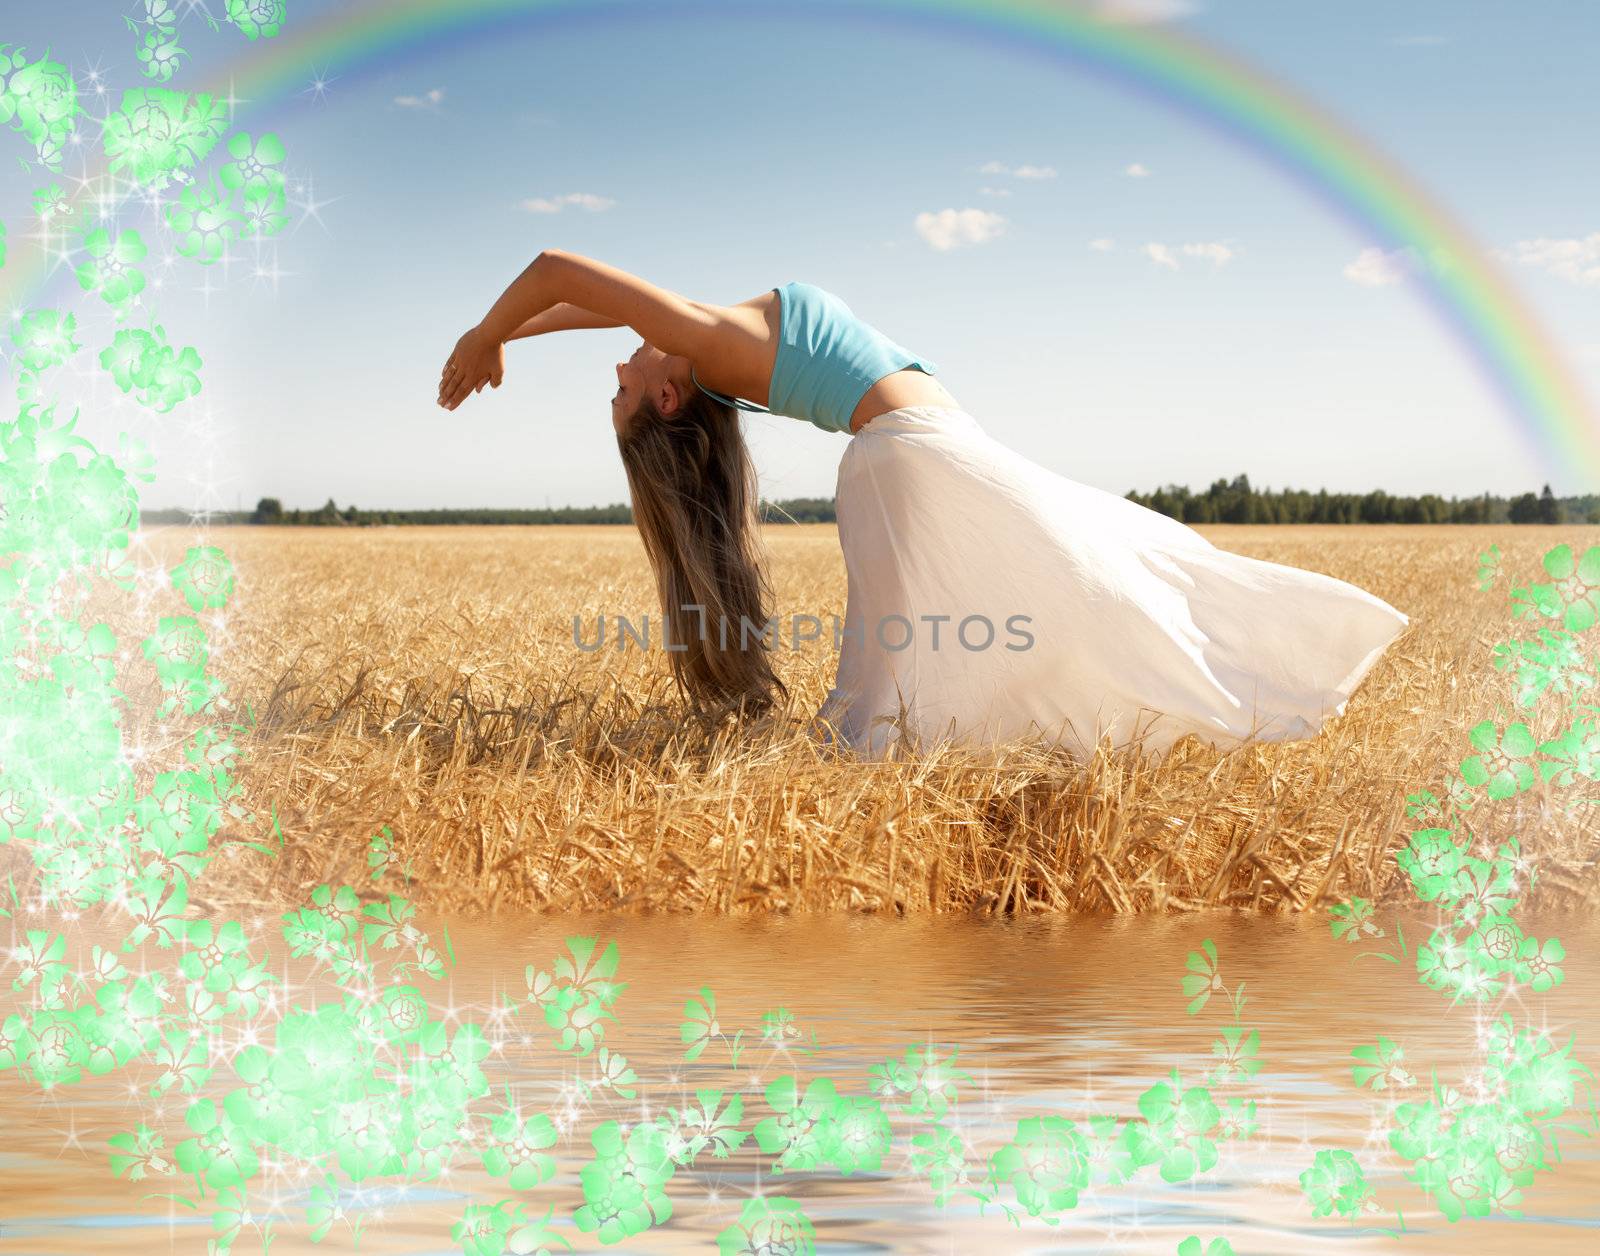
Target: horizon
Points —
{"points": [[1261, 490]]}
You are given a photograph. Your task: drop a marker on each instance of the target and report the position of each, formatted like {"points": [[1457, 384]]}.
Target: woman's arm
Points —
{"points": [[672, 323], [562, 317]]}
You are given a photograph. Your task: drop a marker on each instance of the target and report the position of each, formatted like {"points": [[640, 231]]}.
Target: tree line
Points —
{"points": [[1226, 501]]}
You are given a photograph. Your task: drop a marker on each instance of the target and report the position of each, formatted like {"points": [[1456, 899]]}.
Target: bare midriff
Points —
{"points": [[905, 387], [897, 390]]}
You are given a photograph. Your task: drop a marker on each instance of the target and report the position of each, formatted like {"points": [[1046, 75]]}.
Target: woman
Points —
{"points": [[987, 597]]}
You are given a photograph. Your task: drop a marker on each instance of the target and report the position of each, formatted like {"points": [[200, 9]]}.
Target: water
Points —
{"points": [[1072, 1017]]}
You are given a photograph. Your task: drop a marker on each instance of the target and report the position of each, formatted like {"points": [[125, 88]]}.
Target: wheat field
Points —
{"points": [[426, 679]]}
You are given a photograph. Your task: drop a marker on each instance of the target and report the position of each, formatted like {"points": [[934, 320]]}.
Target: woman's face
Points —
{"points": [[651, 374]]}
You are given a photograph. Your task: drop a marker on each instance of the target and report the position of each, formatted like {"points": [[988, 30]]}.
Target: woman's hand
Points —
{"points": [[478, 359]]}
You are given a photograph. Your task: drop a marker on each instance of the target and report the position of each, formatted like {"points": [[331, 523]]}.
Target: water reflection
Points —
{"points": [[1072, 1017]]}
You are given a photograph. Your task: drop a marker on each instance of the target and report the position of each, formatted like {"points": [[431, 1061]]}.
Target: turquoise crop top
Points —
{"points": [[827, 360]]}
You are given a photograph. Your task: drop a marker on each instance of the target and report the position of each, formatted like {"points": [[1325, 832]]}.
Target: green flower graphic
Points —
{"points": [[1431, 861], [701, 1026], [493, 1229], [927, 1081], [801, 1130], [155, 134], [319, 1055], [1383, 1069], [177, 648], [258, 19], [264, 211], [125, 356], [174, 379], [1443, 963], [254, 162], [203, 221], [1191, 1246], [140, 1155], [1496, 942], [39, 959], [400, 1015], [1574, 754], [623, 1185], [1353, 920], [217, 957], [1335, 1183], [616, 1074], [160, 56], [855, 1134], [693, 1129], [514, 1153], [579, 1017], [1173, 1132], [1203, 979], [44, 339], [41, 101], [204, 578], [1046, 1164], [769, 1226], [53, 205], [1480, 889], [1540, 961], [181, 1058], [1500, 765], [1237, 1119], [778, 1025], [450, 1061], [111, 269], [1235, 1052], [1574, 598], [270, 1113], [940, 1155], [220, 1154]]}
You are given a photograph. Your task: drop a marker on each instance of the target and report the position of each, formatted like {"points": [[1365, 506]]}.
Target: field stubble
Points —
{"points": [[426, 679]]}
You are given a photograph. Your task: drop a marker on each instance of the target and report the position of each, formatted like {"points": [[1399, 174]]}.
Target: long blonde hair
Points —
{"points": [[695, 500]]}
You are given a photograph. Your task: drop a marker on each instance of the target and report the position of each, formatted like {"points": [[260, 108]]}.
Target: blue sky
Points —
{"points": [[722, 150]]}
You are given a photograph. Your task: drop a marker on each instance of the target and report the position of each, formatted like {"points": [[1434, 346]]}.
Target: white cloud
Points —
{"points": [[1575, 260], [554, 204], [1102, 245], [1213, 251], [1137, 171], [1375, 268], [1141, 12], [952, 227], [995, 191], [428, 100], [1020, 172]]}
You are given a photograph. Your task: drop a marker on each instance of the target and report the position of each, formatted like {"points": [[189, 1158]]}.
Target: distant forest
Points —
{"points": [[1226, 501]]}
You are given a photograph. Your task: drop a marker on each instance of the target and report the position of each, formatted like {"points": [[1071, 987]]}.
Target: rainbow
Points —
{"points": [[1466, 291]]}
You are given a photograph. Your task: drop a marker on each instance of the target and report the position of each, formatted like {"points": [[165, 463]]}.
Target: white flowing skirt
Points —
{"points": [[990, 598]]}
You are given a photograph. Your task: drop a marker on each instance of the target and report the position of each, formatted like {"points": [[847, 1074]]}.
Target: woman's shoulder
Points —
{"points": [[816, 302], [760, 301]]}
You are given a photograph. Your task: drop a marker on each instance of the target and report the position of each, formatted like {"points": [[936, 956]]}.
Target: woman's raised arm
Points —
{"points": [[563, 317], [672, 323]]}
